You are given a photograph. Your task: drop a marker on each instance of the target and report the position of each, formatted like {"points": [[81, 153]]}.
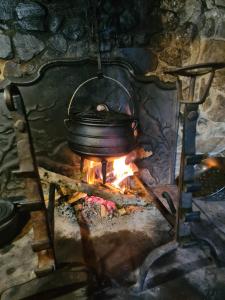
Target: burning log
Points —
{"points": [[76, 197], [71, 185]]}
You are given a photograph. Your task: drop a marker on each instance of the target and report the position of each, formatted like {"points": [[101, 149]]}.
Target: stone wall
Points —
{"points": [[32, 32], [197, 37], [173, 33]]}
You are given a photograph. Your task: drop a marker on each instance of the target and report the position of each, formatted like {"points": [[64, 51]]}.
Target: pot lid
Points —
{"points": [[101, 117]]}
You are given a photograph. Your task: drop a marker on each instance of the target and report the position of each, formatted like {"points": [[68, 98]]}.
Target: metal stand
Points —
{"points": [[186, 224], [43, 244], [187, 183], [104, 169]]}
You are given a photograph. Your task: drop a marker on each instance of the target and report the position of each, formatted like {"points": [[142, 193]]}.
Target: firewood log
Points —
{"points": [[71, 185]]}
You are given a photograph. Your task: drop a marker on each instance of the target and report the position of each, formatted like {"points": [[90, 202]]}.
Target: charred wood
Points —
{"points": [[74, 185]]}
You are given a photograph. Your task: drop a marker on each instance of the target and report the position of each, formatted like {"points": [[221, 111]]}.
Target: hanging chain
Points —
{"points": [[97, 36]]}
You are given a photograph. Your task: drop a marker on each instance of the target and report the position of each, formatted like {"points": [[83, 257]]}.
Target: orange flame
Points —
{"points": [[119, 171], [90, 169]]}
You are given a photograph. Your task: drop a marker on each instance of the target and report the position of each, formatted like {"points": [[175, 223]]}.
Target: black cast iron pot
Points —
{"points": [[100, 135]]}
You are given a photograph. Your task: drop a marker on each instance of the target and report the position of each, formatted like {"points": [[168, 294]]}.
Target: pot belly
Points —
{"points": [[99, 141]]}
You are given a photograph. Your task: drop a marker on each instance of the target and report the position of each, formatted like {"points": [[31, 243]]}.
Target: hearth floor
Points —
{"points": [[114, 248]]}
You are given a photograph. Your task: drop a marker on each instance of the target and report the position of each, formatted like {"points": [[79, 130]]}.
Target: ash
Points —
{"points": [[67, 211], [84, 212], [91, 211], [91, 214]]}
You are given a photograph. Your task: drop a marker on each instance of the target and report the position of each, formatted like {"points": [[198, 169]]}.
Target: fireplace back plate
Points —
{"points": [[47, 94]]}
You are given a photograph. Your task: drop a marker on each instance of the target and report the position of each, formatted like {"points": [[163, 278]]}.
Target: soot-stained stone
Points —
{"points": [[27, 46], [4, 26], [217, 111], [106, 45], [32, 24], [220, 3], [209, 28], [169, 20], [128, 20], [141, 39], [108, 7], [7, 8], [206, 105], [29, 68], [220, 32], [172, 55], [54, 23], [143, 59], [106, 26], [125, 40], [191, 12], [73, 29], [209, 4], [77, 49], [30, 9], [188, 32], [160, 41], [5, 48], [12, 69], [58, 43], [171, 5]]}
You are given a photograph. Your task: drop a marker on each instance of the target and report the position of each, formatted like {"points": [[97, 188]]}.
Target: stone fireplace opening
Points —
{"points": [[117, 226]]}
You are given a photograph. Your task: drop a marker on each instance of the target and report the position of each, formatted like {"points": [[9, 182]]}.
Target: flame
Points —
{"points": [[121, 170], [118, 171], [90, 169]]}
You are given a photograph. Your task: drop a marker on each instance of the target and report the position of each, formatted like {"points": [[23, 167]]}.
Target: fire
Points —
{"points": [[117, 171], [121, 170], [91, 170]]}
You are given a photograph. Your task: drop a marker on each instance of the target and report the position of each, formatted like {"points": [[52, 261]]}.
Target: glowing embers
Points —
{"points": [[117, 172]]}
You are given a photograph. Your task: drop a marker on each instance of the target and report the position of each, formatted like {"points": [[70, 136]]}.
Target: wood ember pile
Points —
{"points": [[91, 209], [138, 196], [93, 203]]}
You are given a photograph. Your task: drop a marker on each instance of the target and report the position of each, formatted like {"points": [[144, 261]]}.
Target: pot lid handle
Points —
{"points": [[94, 78]]}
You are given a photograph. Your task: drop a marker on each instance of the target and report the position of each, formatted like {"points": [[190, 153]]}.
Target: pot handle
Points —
{"points": [[94, 78]]}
